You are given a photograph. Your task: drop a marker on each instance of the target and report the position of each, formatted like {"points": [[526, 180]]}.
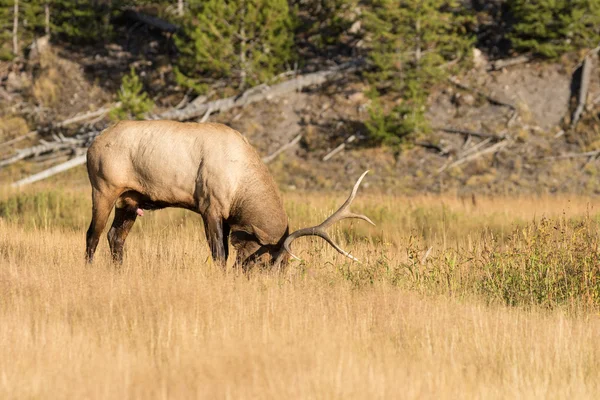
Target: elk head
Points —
{"points": [[281, 255]]}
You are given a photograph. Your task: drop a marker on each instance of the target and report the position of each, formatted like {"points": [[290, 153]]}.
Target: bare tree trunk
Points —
{"points": [[47, 18], [180, 8], [242, 57], [418, 49], [16, 28], [584, 85]]}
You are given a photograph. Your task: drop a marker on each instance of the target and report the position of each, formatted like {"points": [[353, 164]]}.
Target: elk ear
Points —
{"points": [[263, 237]]}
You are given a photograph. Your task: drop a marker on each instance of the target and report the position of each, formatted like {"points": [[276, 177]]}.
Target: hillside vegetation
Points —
{"points": [[443, 95]]}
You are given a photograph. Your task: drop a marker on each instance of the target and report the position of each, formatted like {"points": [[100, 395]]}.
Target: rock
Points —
{"points": [[479, 59], [468, 99], [14, 82], [357, 97], [355, 28], [463, 99], [39, 46]]}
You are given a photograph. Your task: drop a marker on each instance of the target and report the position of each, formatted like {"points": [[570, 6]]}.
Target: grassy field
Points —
{"points": [[467, 298]]}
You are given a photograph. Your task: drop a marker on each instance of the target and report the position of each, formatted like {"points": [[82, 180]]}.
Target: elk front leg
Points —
{"points": [[214, 227], [122, 224]]}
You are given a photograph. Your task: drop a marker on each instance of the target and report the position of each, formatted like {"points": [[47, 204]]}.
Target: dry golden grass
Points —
{"points": [[168, 324]]}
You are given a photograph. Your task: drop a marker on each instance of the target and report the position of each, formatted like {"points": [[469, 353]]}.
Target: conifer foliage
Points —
{"points": [[82, 21], [412, 46], [244, 42], [550, 28]]}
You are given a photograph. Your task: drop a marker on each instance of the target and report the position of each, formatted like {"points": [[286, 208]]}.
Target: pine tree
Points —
{"points": [[322, 23], [6, 24], [29, 25], [135, 103], [81, 21], [552, 27], [243, 41], [410, 42]]}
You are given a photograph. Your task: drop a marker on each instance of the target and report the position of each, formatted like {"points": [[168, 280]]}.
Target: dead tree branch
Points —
{"points": [[86, 116], [339, 148], [273, 156], [69, 121], [508, 62], [74, 162], [37, 150], [490, 150], [465, 132]]}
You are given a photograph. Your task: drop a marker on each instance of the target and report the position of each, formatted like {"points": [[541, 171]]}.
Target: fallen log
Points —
{"points": [[36, 150], [475, 148], [88, 115], [262, 92], [74, 162], [466, 132], [492, 149], [507, 62], [339, 148], [273, 156]]}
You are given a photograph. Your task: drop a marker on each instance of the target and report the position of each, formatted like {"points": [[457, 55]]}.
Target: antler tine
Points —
{"points": [[344, 210], [319, 230], [320, 233]]}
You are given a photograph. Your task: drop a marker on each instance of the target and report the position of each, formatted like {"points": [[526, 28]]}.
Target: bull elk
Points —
{"points": [[207, 168]]}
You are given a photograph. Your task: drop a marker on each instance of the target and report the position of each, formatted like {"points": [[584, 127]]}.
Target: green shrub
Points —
{"points": [[550, 263], [394, 127], [134, 101]]}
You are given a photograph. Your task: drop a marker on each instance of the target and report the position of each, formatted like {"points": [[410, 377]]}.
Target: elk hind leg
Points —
{"points": [[102, 205], [122, 224], [215, 234]]}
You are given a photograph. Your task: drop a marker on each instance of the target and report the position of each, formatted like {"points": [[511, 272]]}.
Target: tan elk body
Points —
{"points": [[207, 168]]}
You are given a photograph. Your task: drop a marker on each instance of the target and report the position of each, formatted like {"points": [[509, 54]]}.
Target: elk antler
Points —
{"points": [[319, 230]]}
